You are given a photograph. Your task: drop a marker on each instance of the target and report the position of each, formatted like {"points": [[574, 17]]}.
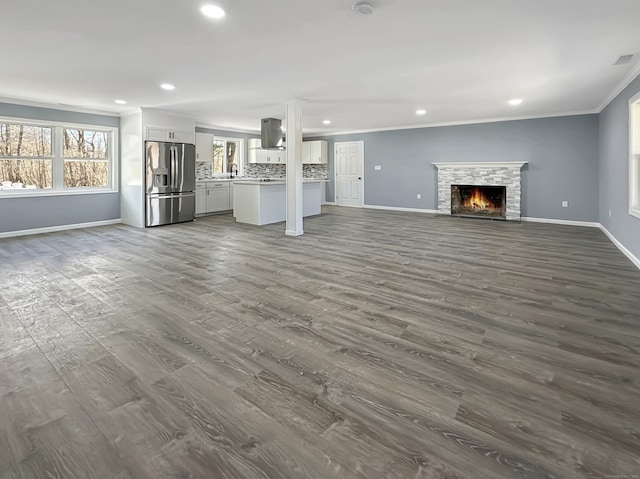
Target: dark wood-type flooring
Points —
{"points": [[378, 345]]}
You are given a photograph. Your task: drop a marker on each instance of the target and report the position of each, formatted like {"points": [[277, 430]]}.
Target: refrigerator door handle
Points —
{"points": [[169, 197], [173, 166]]}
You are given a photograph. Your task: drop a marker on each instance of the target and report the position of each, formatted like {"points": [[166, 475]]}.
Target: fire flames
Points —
{"points": [[477, 201]]}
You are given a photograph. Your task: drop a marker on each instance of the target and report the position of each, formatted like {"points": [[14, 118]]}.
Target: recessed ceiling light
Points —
{"points": [[167, 86], [212, 11], [515, 102], [421, 112], [121, 102], [326, 122]]}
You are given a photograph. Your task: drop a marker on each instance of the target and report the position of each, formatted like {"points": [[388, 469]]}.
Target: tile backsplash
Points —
{"points": [[263, 170], [204, 169]]}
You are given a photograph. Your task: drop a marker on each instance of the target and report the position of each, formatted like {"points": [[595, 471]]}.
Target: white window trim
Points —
{"points": [[239, 152], [57, 151], [634, 156]]}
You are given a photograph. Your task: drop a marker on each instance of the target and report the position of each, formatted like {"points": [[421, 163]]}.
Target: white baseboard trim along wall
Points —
{"points": [[395, 208], [621, 247], [561, 222], [53, 229]]}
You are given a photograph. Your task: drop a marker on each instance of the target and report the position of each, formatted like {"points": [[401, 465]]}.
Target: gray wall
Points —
{"points": [[614, 171], [40, 212], [562, 153]]}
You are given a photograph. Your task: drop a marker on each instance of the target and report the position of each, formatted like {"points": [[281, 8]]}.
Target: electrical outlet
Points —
{"points": [[419, 196], [565, 204], [377, 167]]}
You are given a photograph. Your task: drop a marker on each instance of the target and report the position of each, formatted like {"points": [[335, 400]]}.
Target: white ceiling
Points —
{"points": [[461, 60]]}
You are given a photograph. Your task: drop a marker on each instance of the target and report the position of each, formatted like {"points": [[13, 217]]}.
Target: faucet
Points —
{"points": [[236, 168]]}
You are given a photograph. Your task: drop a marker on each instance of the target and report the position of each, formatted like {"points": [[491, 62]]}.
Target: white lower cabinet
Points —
{"points": [[213, 197], [201, 200], [217, 197]]}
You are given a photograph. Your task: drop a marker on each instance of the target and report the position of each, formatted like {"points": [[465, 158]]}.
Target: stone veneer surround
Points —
{"points": [[504, 173]]}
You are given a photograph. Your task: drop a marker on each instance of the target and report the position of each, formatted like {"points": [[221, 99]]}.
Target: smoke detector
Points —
{"points": [[363, 8]]}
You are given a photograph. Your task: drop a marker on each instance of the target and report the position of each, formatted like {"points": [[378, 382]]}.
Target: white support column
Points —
{"points": [[294, 168]]}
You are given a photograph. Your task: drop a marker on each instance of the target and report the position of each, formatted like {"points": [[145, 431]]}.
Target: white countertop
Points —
{"points": [[277, 182], [255, 180]]}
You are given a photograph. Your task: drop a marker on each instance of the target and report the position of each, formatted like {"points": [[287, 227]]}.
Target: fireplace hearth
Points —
{"points": [[479, 201]]}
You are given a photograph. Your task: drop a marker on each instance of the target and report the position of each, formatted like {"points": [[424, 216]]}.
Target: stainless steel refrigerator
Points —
{"points": [[170, 183]]}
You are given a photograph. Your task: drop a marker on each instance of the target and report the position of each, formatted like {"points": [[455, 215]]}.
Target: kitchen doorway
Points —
{"points": [[349, 176]]}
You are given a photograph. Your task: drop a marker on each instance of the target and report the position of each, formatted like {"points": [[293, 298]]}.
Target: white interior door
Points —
{"points": [[349, 164]]}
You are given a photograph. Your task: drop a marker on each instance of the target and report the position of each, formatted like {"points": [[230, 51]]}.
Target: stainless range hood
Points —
{"points": [[271, 135]]}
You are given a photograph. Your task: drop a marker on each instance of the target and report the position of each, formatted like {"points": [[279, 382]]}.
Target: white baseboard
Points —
{"points": [[588, 224], [329, 203], [394, 208], [53, 229], [621, 247]]}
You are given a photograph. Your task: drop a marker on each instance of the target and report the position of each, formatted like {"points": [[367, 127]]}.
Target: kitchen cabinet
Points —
{"points": [[217, 197], [201, 198], [162, 126], [213, 197], [315, 152], [162, 134], [204, 147], [258, 155]]}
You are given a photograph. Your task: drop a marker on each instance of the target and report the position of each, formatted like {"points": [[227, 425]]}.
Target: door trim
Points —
{"points": [[335, 171]]}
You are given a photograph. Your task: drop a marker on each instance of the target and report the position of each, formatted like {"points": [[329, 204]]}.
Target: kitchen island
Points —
{"points": [[264, 202]]}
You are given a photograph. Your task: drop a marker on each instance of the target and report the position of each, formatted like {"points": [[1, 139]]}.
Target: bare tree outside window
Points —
{"points": [[218, 156], [225, 155], [86, 161], [25, 155]]}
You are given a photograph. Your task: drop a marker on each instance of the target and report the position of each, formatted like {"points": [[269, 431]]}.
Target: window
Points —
{"points": [[86, 158], [634, 157], [55, 158], [227, 155], [25, 156]]}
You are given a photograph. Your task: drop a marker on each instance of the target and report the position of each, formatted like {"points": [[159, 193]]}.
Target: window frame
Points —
{"points": [[634, 156], [57, 159]]}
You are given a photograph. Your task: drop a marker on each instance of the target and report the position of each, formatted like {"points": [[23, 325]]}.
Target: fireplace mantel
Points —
{"points": [[479, 164], [481, 173]]}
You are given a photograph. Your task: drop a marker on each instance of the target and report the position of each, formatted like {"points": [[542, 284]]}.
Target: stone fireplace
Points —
{"points": [[487, 189]]}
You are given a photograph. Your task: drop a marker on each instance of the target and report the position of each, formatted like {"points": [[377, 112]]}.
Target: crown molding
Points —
{"points": [[626, 81], [456, 123], [51, 106]]}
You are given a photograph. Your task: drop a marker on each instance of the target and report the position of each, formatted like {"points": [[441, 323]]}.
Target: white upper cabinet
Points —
{"points": [[163, 126], [204, 147], [258, 155], [306, 152], [315, 152], [254, 150]]}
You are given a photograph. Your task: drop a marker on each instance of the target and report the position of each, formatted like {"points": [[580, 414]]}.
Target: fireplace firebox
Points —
{"points": [[479, 201]]}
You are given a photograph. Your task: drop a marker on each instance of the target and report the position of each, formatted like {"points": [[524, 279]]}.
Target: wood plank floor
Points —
{"points": [[378, 345]]}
